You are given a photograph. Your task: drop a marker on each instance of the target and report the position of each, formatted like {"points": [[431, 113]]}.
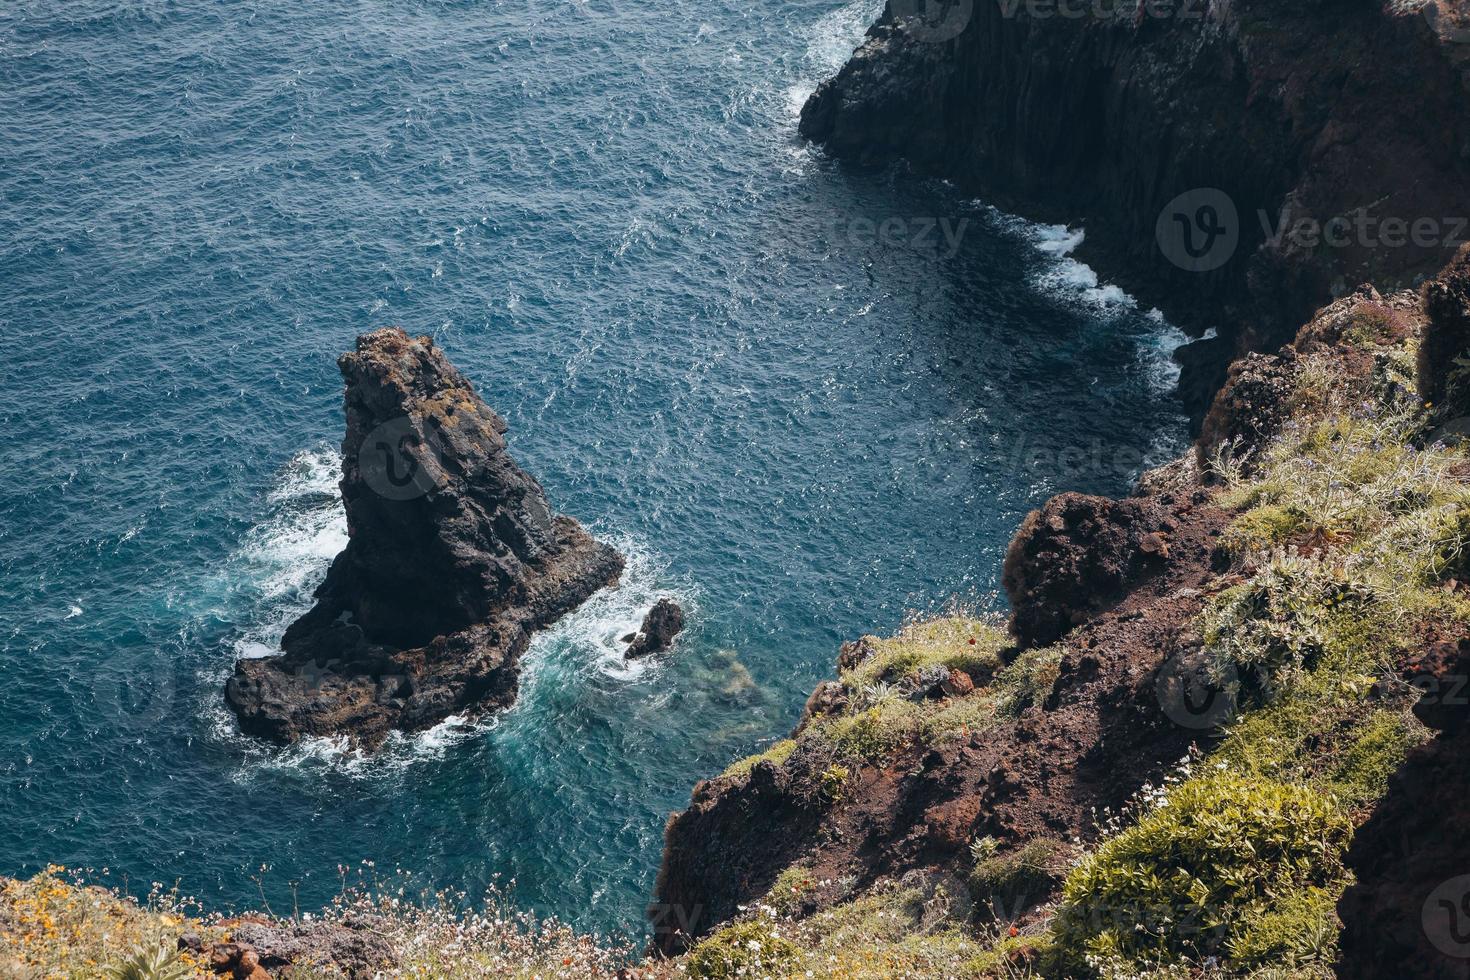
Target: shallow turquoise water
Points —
{"points": [[796, 401]]}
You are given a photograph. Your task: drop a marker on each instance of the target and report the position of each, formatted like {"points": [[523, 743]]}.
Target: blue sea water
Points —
{"points": [[806, 400]]}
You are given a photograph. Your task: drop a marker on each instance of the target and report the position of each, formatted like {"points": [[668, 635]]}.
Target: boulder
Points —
{"points": [[663, 622], [454, 558], [1074, 556], [1444, 383]]}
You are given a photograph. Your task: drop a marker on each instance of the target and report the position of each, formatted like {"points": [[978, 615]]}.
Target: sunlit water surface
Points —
{"points": [[806, 401]]}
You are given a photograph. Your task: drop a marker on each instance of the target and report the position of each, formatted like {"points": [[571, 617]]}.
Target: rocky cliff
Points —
{"points": [[1156, 765], [1236, 163], [454, 558]]}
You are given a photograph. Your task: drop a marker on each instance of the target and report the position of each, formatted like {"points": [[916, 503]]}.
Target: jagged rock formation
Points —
{"points": [[1254, 402], [454, 558], [1297, 112], [1100, 732], [663, 622], [1408, 915], [260, 947], [1123, 585], [1074, 556], [1444, 353]]}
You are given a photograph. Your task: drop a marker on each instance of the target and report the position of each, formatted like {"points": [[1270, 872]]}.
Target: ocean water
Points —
{"points": [[807, 401]]}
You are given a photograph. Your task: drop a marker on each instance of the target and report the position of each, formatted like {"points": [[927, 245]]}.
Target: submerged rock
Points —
{"points": [[454, 558], [663, 622]]}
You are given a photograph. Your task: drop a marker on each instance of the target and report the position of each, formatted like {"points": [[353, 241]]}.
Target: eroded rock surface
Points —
{"points": [[454, 558], [1294, 144], [1444, 353], [1076, 554], [1408, 914], [663, 622]]}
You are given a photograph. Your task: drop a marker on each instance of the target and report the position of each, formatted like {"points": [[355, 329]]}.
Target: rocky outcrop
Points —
{"points": [[1123, 585], [454, 558], [1186, 137], [1100, 732], [663, 622], [1408, 914], [1444, 352], [1256, 399], [258, 947], [1074, 556]]}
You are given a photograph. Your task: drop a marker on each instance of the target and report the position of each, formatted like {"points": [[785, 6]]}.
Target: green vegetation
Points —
{"points": [[55, 926], [1285, 618], [1026, 681], [775, 755], [1349, 537], [1190, 878], [747, 949], [1006, 883], [1349, 529], [965, 643], [158, 963], [918, 928], [834, 782]]}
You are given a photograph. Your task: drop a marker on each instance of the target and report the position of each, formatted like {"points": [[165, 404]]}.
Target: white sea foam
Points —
{"points": [[285, 557], [591, 637], [829, 43], [398, 753], [1065, 278]]}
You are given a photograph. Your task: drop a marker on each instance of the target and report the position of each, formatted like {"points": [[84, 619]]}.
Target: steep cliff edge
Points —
{"points": [[1237, 164], [454, 558], [1155, 767]]}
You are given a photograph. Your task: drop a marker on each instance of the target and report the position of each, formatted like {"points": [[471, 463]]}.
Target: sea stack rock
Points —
{"points": [[454, 558], [663, 622]]}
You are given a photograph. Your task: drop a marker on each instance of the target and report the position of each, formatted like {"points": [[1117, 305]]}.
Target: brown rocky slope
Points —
{"points": [[954, 747]]}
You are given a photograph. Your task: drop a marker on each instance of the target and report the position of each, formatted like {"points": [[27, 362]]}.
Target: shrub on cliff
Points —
{"points": [[1195, 875], [747, 949], [968, 644], [1283, 618]]}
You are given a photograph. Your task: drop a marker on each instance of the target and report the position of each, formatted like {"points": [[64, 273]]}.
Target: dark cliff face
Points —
{"points": [[441, 522], [1253, 110], [453, 559]]}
